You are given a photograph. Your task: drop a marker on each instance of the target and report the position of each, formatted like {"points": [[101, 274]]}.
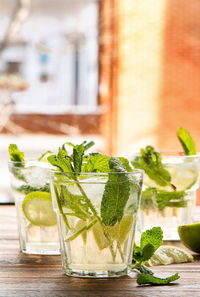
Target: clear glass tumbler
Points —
{"points": [[37, 223], [173, 205], [97, 214]]}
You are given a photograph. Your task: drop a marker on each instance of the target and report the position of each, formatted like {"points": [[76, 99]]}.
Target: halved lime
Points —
{"points": [[38, 209], [190, 236], [167, 254], [118, 232]]}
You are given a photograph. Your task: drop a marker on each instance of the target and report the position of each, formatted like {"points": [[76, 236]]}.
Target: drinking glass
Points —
{"points": [[97, 214], [37, 224], [172, 205]]}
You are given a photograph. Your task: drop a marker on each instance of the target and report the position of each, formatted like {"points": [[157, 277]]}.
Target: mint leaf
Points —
{"points": [[153, 236], [170, 199], [116, 193], [61, 161], [74, 202], [141, 255], [187, 141], [150, 161], [96, 163], [78, 152], [126, 164], [148, 251], [15, 154], [138, 254], [145, 278], [26, 189]]}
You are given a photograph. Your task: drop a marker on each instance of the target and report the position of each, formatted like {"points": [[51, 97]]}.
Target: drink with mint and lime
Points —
{"points": [[37, 223], [170, 184], [96, 199]]}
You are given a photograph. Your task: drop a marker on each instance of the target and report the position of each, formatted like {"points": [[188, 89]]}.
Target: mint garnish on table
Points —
{"points": [[150, 241]]}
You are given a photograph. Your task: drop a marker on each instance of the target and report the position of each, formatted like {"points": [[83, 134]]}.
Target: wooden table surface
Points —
{"points": [[30, 276]]}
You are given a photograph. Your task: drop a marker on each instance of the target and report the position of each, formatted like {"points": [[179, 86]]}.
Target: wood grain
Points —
{"points": [[33, 276]]}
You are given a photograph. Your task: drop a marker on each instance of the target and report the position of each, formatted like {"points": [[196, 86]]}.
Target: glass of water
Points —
{"points": [[36, 218]]}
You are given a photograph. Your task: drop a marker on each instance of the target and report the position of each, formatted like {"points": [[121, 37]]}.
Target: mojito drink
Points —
{"points": [[37, 223], [93, 242], [169, 191]]}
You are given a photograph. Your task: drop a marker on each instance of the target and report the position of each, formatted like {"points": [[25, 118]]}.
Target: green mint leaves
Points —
{"points": [[150, 241], [145, 278], [15, 154], [150, 162], [187, 141], [116, 193], [157, 199], [70, 163]]}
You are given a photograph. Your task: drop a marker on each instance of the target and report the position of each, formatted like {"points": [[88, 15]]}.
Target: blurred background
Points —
{"points": [[124, 73]]}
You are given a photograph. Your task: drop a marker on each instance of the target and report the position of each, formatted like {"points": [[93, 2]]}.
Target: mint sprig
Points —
{"points": [[187, 141], [150, 241], [151, 162], [144, 279], [15, 154], [157, 199]]}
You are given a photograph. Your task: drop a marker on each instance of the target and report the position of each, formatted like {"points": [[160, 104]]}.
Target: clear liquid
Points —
{"points": [[42, 240], [89, 257], [36, 239], [170, 218]]}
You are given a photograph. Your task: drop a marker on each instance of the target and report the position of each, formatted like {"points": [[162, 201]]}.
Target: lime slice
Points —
{"points": [[119, 232], [190, 236], [167, 254], [38, 209], [184, 176], [79, 225]]}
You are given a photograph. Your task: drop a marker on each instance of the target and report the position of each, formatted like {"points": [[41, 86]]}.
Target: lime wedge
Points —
{"points": [[38, 209], [184, 176], [119, 232], [167, 254], [190, 236], [79, 225]]}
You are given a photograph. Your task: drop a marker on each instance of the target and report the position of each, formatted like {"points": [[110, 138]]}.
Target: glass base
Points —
{"points": [[41, 249], [97, 271]]}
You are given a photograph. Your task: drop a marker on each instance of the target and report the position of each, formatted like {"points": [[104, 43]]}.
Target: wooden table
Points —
{"points": [[30, 276]]}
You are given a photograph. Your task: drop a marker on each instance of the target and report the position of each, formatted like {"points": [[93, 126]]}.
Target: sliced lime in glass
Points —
{"points": [[119, 232], [38, 209], [183, 177], [80, 225], [167, 254]]}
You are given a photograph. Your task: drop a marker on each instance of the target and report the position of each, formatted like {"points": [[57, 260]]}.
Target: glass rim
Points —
{"points": [[135, 172], [172, 154]]}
